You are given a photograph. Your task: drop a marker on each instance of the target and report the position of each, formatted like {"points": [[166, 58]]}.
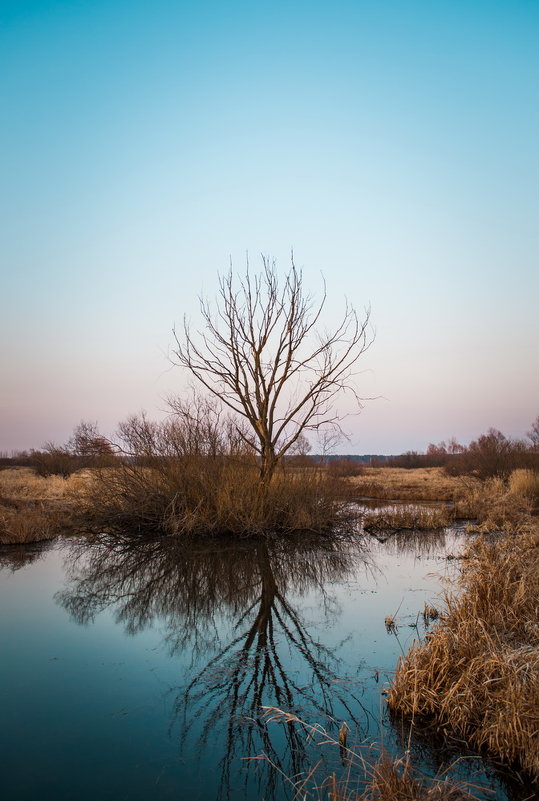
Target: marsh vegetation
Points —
{"points": [[160, 503]]}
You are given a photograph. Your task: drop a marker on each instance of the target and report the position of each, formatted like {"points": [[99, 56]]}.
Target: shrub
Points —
{"points": [[54, 460], [492, 455], [344, 468]]}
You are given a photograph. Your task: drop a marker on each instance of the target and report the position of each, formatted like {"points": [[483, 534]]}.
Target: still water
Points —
{"points": [[139, 670]]}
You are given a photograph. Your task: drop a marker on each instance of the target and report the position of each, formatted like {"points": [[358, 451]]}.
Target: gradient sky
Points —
{"points": [[393, 145]]}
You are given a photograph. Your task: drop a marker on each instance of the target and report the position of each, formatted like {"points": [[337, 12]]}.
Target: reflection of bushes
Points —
{"points": [[227, 601], [477, 673]]}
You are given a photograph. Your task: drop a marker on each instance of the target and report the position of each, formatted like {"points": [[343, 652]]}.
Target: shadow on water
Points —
{"points": [[237, 613]]}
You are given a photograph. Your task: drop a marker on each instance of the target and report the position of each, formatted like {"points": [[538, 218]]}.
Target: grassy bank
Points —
{"points": [[34, 509], [476, 676]]}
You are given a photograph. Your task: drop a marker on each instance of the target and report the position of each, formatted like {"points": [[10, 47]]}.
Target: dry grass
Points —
{"points": [[396, 483], [387, 779], [23, 483], [394, 780], [32, 508], [497, 506], [525, 483], [476, 676], [407, 517]]}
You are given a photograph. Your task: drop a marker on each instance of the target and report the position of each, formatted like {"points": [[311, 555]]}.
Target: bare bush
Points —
{"points": [[345, 468], [492, 455], [54, 460]]}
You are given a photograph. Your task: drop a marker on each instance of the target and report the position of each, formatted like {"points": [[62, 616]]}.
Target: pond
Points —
{"points": [[137, 670]]}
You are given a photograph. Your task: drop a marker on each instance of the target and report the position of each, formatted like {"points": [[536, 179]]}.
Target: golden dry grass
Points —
{"points": [[476, 676], [394, 780], [497, 506], [525, 483], [493, 504], [407, 517], [23, 483], [32, 508], [397, 483]]}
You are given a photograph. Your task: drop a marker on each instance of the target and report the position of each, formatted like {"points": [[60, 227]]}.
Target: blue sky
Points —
{"points": [[393, 145]]}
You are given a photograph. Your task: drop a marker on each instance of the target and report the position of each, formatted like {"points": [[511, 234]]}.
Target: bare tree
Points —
{"points": [[533, 434], [261, 353]]}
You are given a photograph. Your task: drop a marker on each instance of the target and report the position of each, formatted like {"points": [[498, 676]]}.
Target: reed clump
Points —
{"points": [[407, 517], [497, 505], [393, 779], [387, 778], [476, 675]]}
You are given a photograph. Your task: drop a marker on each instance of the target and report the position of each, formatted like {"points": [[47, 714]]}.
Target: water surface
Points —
{"points": [[136, 670]]}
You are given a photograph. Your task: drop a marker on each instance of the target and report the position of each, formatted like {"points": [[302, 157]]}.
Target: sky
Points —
{"points": [[393, 145]]}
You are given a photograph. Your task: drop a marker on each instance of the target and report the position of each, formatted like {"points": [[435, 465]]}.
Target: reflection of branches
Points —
{"points": [[250, 672], [271, 658], [16, 556], [418, 543]]}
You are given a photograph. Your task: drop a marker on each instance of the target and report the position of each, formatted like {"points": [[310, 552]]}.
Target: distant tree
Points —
{"points": [[88, 443], [453, 446], [261, 354], [85, 448], [298, 454], [533, 434]]}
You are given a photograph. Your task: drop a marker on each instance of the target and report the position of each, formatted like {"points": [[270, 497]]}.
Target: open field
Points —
{"points": [[397, 483]]}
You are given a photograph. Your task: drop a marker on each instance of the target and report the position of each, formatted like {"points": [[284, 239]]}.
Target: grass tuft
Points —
{"points": [[477, 674]]}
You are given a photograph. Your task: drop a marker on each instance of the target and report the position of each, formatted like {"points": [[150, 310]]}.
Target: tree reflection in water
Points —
{"points": [[270, 656]]}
